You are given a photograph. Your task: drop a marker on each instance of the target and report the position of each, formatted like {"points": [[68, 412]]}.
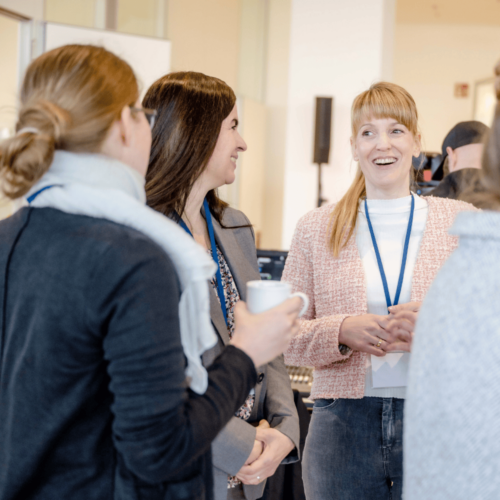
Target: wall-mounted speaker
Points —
{"points": [[323, 129]]}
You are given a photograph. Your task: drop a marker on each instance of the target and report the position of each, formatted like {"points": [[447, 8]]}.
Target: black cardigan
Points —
{"points": [[93, 398]]}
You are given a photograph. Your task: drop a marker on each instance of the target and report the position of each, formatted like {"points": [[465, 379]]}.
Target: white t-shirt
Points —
{"points": [[389, 220]]}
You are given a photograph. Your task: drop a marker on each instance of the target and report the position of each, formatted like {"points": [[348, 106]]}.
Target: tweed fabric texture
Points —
{"points": [[337, 289]]}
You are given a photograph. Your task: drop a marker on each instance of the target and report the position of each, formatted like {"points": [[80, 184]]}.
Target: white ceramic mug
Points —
{"points": [[264, 295]]}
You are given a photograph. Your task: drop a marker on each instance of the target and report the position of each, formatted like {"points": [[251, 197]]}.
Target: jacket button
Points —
{"points": [[260, 378]]}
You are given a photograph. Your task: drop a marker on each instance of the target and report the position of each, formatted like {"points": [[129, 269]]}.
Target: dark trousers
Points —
{"points": [[354, 450]]}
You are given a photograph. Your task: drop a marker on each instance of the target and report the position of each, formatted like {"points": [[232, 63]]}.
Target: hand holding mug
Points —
{"points": [[270, 319], [264, 295], [265, 336]]}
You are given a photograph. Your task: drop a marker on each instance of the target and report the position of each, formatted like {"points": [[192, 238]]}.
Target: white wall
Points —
{"points": [[77, 12], [252, 52], [31, 31], [149, 57], [251, 166], [338, 49], [276, 99], [9, 53], [9, 34], [205, 37], [430, 58], [29, 8]]}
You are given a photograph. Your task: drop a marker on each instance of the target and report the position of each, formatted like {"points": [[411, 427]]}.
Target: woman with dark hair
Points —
{"points": [[195, 146], [104, 304]]}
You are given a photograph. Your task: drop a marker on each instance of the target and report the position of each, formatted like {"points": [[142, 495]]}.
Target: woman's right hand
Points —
{"points": [[363, 333], [265, 336]]}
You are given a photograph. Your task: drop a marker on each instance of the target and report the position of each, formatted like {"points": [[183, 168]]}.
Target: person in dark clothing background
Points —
{"points": [[104, 304], [462, 150]]}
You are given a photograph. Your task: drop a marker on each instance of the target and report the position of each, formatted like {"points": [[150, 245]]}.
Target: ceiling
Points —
{"points": [[472, 12]]}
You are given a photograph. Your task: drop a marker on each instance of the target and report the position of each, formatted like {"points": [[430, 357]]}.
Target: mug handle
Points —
{"points": [[305, 299]]}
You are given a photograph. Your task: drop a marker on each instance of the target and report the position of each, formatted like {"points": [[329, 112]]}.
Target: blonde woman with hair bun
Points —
{"points": [[102, 391], [380, 245]]}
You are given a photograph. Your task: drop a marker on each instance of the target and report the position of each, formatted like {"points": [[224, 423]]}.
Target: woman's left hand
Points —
{"points": [[402, 324], [408, 306], [276, 447], [258, 446]]}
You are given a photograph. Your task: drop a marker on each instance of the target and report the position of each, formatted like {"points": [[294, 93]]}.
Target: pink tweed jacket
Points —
{"points": [[336, 288]]}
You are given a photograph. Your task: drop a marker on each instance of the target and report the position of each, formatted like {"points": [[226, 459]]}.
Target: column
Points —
{"points": [[337, 48]]}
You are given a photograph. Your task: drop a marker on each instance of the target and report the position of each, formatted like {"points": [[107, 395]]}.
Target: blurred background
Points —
{"points": [[278, 56]]}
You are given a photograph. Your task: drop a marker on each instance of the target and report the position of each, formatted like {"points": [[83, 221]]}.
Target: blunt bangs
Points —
{"points": [[385, 100]]}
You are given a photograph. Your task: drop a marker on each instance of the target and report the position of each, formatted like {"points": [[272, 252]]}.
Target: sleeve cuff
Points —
{"points": [[242, 359]]}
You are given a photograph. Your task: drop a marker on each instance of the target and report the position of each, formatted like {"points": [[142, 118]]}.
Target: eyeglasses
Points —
{"points": [[150, 114]]}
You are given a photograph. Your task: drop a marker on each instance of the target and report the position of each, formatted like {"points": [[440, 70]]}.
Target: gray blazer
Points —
{"points": [[273, 394]]}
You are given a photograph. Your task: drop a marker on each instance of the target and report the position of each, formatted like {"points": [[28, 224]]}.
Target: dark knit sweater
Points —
{"points": [[93, 398]]}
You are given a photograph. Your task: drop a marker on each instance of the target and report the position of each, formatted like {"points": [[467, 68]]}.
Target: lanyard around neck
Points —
{"points": [[34, 195], [405, 255], [215, 257]]}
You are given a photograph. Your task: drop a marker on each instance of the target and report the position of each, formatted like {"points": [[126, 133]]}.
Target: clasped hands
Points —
{"points": [[379, 335], [270, 448]]}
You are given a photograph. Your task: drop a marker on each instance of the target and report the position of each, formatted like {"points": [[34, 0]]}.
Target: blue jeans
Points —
{"points": [[354, 450]]}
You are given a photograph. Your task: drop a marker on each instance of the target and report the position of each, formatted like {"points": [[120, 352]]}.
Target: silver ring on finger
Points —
{"points": [[258, 478]]}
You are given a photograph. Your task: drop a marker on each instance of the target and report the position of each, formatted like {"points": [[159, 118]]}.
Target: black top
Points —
{"points": [[93, 399], [459, 185]]}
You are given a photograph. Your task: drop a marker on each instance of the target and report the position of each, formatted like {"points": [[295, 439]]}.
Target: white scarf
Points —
{"points": [[98, 186]]}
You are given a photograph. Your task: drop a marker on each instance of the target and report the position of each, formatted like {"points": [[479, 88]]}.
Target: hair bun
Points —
{"points": [[25, 157], [45, 118], [30, 130], [70, 98]]}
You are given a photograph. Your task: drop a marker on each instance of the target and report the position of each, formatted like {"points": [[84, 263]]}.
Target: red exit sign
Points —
{"points": [[461, 90]]}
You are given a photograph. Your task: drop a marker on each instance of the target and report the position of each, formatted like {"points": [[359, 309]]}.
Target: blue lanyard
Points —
{"points": [[405, 255], [34, 195], [210, 226]]}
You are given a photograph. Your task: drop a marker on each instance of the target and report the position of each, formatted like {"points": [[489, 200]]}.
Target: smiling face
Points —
{"points": [[221, 167], [384, 149]]}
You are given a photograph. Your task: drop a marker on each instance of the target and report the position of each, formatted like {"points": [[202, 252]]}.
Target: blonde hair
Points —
{"points": [[70, 97], [381, 100]]}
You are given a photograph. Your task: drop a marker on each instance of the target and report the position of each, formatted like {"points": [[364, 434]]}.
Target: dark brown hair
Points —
{"points": [[70, 97], [191, 108]]}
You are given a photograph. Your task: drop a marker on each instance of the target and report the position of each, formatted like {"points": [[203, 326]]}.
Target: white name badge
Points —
{"points": [[390, 370]]}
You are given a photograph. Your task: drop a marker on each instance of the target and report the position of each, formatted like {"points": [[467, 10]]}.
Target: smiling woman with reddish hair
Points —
{"points": [[379, 246]]}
